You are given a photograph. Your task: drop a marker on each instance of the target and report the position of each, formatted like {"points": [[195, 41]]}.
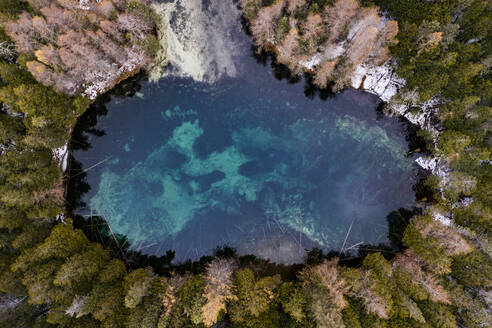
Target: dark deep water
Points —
{"points": [[250, 162]]}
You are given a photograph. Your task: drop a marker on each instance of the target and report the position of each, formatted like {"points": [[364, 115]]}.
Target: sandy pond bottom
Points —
{"points": [[249, 162]]}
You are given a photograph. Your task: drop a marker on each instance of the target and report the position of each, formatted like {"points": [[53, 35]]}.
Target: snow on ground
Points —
{"points": [[103, 81], [60, 155], [312, 62], [85, 4], [423, 117], [60, 217], [441, 218], [465, 202], [379, 80], [436, 165]]}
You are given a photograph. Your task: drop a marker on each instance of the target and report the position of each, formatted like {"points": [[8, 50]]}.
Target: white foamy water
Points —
{"points": [[200, 38]]}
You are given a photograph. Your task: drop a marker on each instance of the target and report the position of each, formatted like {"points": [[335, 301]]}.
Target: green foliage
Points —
{"points": [[253, 297], [438, 315], [405, 282], [10, 9], [143, 10], [477, 216], [351, 316], [113, 271], [397, 223], [63, 242], [61, 279], [49, 114], [406, 309], [146, 315], [452, 143], [138, 284], [293, 300], [468, 306], [282, 29], [190, 301], [473, 269], [378, 265], [82, 268], [429, 249], [105, 302], [32, 234]]}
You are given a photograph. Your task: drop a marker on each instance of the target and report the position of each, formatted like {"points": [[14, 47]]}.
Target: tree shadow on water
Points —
{"points": [[282, 72], [86, 127]]}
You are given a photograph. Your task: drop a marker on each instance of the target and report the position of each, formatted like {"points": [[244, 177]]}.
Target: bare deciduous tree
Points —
{"points": [[330, 45], [324, 74], [293, 4], [326, 289], [362, 44], [373, 302], [48, 55], [326, 275], [447, 237], [218, 289], [263, 26], [77, 47], [410, 263], [339, 16], [287, 51], [387, 37]]}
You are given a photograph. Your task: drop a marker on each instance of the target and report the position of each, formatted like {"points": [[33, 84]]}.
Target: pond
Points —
{"points": [[258, 162]]}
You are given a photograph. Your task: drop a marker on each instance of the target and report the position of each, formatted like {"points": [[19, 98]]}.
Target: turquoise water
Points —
{"points": [[250, 162]]}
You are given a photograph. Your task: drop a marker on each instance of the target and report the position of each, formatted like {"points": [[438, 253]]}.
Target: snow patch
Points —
{"points": [[8, 301], [438, 167], [85, 4], [311, 63], [60, 217], [434, 164], [465, 202], [441, 218], [379, 80], [60, 155]]}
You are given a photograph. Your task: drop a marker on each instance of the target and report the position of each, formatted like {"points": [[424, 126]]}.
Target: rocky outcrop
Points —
{"points": [[379, 80]]}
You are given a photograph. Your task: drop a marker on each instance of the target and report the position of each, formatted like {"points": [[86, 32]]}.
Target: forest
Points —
{"points": [[53, 273]]}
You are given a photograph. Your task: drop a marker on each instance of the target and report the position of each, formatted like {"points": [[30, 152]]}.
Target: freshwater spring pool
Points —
{"points": [[251, 161]]}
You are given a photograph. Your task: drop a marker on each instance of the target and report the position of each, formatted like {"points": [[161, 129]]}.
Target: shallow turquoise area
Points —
{"points": [[250, 162]]}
